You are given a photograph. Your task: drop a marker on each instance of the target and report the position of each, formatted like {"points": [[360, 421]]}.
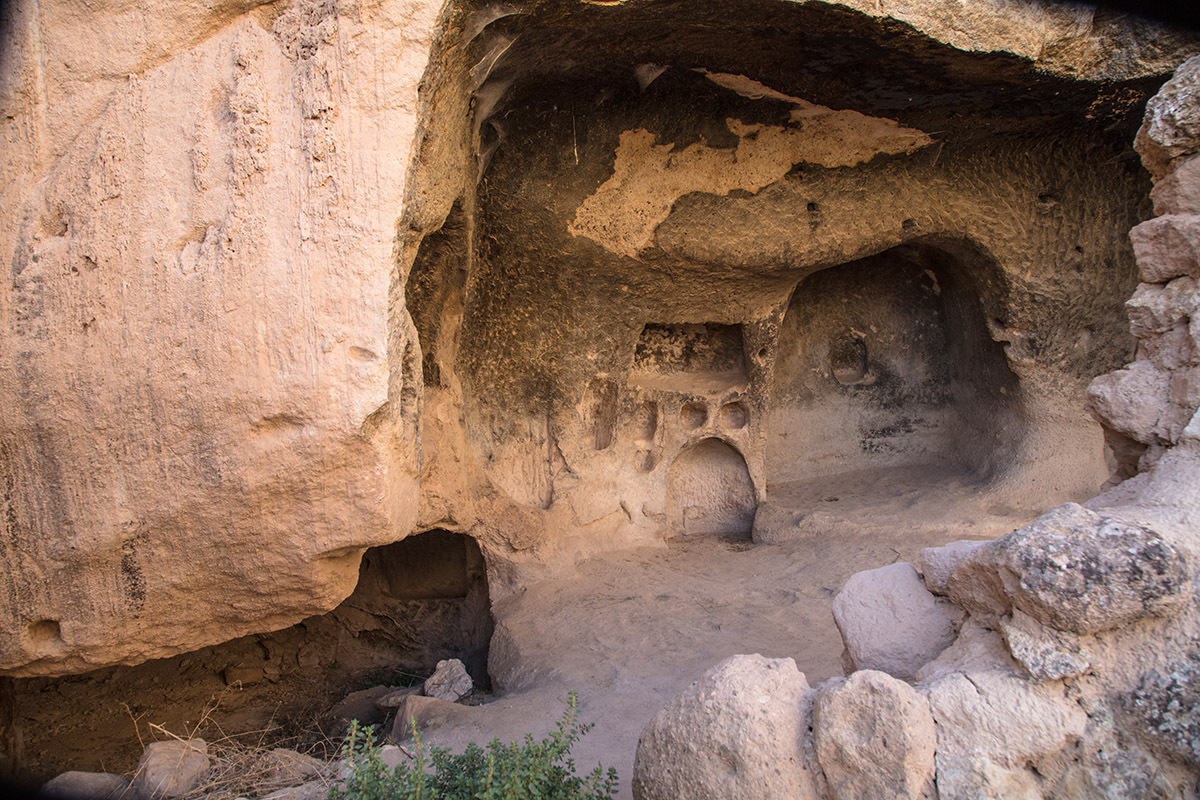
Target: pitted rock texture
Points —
{"points": [[738, 732], [874, 737], [1075, 571], [1045, 653], [223, 217], [937, 563], [1170, 129], [1166, 706], [990, 725]]}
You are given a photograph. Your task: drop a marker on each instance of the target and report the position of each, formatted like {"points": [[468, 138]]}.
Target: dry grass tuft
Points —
{"points": [[253, 763]]}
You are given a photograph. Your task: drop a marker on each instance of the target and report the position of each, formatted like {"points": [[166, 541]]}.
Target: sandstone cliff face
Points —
{"points": [[198, 379], [215, 397]]}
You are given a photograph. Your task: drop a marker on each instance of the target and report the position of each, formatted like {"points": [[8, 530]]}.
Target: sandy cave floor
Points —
{"points": [[636, 627], [630, 630]]}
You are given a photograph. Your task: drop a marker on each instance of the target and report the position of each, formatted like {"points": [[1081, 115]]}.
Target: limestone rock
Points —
{"points": [[1004, 719], [1075, 571], [449, 681], [1109, 763], [361, 706], [1179, 191], [890, 622], [205, 235], [171, 769], [1132, 401], [937, 563], [85, 786], [977, 649], [313, 790], [428, 712], [1156, 308], [1165, 705], [979, 778], [395, 698], [737, 733], [874, 737], [1046, 654], [1171, 127], [1167, 247]]}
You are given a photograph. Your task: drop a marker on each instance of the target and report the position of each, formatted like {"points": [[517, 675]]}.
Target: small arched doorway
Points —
{"points": [[709, 491]]}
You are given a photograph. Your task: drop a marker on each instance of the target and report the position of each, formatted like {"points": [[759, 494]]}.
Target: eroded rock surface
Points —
{"points": [[171, 769], [874, 737], [1075, 571], [741, 731], [196, 335]]}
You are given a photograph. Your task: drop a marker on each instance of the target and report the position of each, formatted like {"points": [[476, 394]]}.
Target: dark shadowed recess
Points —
{"points": [[419, 600]]}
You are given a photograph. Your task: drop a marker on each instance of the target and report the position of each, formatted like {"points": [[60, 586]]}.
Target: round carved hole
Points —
{"points": [[848, 359], [733, 416], [693, 415]]}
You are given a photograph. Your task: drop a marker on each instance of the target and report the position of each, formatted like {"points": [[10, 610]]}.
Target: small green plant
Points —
{"points": [[527, 771]]}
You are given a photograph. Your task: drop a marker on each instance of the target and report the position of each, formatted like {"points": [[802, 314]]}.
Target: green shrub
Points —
{"points": [[527, 771]]}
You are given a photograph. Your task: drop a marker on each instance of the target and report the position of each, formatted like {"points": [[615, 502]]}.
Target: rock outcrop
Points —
{"points": [[200, 382], [277, 297], [290, 280]]}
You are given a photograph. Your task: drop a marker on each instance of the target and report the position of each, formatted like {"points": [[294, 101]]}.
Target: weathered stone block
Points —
{"points": [[874, 737], [171, 769], [1167, 247], [736, 734], [890, 622], [1075, 571]]}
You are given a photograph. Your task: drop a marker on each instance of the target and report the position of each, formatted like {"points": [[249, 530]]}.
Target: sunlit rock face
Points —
{"points": [[292, 280]]}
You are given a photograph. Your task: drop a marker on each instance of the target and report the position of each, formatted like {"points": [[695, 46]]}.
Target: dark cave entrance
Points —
{"points": [[419, 601]]}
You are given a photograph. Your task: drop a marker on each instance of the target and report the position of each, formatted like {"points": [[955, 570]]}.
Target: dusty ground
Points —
{"points": [[635, 627]]}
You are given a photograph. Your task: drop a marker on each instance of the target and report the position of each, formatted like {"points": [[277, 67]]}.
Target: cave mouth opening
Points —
{"points": [[888, 380], [418, 601]]}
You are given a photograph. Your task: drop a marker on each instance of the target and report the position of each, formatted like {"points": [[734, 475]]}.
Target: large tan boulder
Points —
{"points": [[874, 738], [738, 733], [990, 725], [171, 769], [890, 622]]}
